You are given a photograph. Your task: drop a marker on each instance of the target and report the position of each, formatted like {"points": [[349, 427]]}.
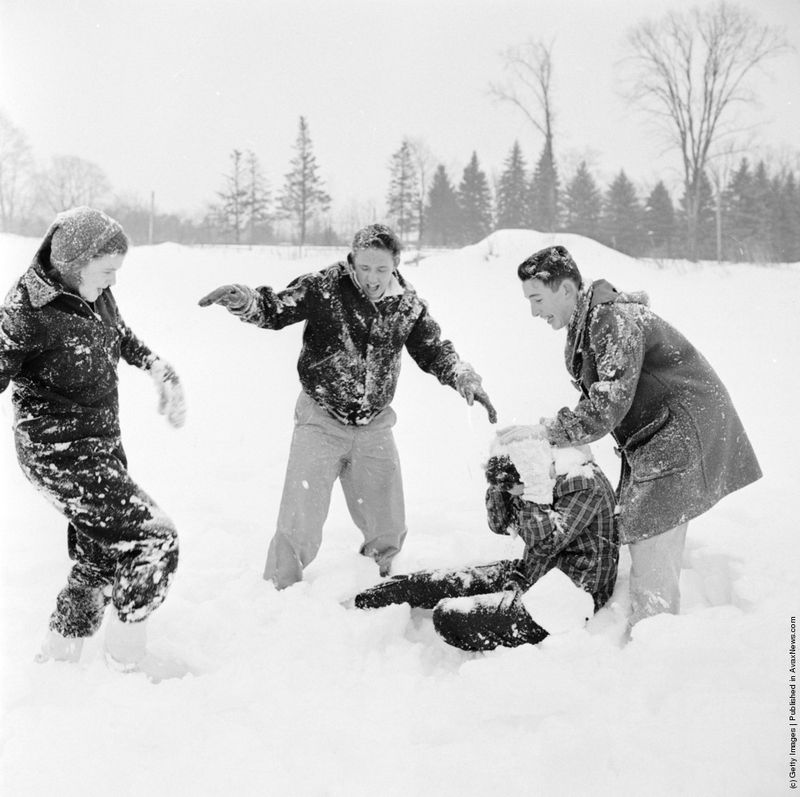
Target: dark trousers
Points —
{"points": [[472, 609], [124, 547]]}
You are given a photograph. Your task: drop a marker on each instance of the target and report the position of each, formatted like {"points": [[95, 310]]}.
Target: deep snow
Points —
{"points": [[293, 693]]}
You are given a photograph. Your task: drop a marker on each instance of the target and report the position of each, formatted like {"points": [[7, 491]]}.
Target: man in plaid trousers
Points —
{"points": [[562, 505]]}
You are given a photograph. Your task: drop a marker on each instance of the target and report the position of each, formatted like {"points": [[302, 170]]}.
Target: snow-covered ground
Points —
{"points": [[293, 693]]}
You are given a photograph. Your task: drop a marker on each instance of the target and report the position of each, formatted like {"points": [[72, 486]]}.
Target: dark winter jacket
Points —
{"points": [[350, 359], [61, 353], [577, 534], [682, 443]]}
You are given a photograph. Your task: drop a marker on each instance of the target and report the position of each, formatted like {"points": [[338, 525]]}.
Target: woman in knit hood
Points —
{"points": [[61, 338]]}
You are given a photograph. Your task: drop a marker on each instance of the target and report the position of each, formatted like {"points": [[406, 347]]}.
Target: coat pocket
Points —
{"points": [[666, 451]]}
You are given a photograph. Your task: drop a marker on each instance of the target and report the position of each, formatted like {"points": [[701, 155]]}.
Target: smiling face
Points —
{"points": [[554, 305], [373, 270], [97, 275]]}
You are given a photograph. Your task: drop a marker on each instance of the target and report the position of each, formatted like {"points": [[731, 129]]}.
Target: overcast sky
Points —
{"points": [[158, 92]]}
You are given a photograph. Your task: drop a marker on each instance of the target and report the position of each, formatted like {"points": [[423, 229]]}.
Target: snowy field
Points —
{"points": [[293, 693]]}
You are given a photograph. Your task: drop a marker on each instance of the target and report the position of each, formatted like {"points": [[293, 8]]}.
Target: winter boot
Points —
{"points": [[126, 651], [125, 644], [56, 647]]}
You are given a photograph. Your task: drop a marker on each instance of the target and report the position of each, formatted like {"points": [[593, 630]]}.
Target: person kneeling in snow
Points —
{"points": [[359, 314], [61, 338], [562, 505]]}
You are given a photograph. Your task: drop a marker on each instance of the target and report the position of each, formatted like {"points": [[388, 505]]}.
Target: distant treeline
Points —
{"points": [[753, 215]]}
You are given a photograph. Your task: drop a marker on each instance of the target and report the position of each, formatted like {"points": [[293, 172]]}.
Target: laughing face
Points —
{"points": [[554, 305], [373, 269]]}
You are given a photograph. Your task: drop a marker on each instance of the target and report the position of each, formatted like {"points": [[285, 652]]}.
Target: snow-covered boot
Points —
{"points": [[125, 644], [56, 647], [126, 651]]}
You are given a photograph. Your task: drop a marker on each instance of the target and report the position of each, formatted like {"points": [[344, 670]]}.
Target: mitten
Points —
{"points": [[237, 299], [171, 401], [468, 385]]}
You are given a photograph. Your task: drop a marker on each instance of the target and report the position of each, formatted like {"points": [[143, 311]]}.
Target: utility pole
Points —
{"points": [[151, 223]]}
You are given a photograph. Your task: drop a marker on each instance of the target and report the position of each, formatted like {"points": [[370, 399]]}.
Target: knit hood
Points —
{"points": [[75, 237]]}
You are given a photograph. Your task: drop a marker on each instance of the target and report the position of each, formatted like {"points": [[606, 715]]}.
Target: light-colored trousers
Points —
{"points": [[655, 574], [365, 460]]}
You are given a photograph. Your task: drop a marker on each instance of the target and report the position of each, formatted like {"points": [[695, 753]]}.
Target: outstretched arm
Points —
{"points": [[263, 306]]}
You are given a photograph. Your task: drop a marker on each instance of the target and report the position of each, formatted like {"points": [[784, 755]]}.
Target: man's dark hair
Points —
{"points": [[552, 266], [501, 472], [377, 236]]}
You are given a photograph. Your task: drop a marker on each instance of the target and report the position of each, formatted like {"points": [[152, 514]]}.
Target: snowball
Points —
{"points": [[557, 604]]}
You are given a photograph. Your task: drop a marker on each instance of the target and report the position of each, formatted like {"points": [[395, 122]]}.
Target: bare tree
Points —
{"points": [[690, 70], [258, 198], [72, 181], [16, 164], [530, 90], [231, 212], [424, 163]]}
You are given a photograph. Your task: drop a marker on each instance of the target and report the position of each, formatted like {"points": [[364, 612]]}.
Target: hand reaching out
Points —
{"points": [[234, 298]]}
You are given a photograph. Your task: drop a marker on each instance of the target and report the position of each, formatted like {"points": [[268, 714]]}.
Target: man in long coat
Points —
{"points": [[682, 445]]}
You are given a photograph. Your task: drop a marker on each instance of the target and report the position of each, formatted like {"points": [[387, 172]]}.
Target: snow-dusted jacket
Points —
{"points": [[577, 533], [61, 353], [350, 359], [682, 444]]}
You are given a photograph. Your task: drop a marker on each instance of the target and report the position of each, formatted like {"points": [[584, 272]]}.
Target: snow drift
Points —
{"points": [[294, 693]]}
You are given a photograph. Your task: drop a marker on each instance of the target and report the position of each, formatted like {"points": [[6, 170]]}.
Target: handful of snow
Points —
{"points": [[557, 604], [533, 460]]}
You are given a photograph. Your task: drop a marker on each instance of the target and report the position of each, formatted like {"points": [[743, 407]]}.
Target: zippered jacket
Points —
{"points": [[350, 358]]}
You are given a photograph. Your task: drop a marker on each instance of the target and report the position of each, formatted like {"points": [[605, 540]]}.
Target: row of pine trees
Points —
{"points": [[754, 217]]}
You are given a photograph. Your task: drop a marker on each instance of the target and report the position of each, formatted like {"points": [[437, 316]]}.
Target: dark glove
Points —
{"points": [[235, 298], [468, 384]]}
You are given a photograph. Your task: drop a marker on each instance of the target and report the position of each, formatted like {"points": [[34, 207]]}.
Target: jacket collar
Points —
{"points": [[41, 288], [397, 287], [598, 292]]}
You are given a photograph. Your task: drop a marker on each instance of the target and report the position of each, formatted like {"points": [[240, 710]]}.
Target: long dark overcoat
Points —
{"points": [[682, 444]]}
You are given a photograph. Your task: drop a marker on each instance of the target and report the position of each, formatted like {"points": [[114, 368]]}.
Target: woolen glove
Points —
{"points": [[171, 401], [468, 384], [235, 298]]}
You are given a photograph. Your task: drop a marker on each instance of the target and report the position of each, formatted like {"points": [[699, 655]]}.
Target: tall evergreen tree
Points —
{"points": [[659, 222], [512, 192], [303, 193], [545, 193], [705, 232], [475, 202], [740, 222], [442, 222], [762, 248], [403, 197], [621, 216], [582, 204], [787, 220]]}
